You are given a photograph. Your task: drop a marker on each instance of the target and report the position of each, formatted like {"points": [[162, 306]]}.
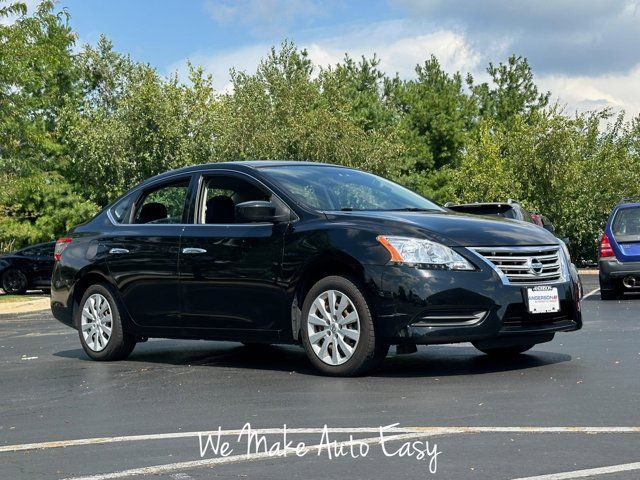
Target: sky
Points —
{"points": [[586, 52]]}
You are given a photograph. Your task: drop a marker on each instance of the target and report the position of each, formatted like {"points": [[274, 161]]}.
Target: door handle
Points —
{"points": [[118, 251], [191, 250]]}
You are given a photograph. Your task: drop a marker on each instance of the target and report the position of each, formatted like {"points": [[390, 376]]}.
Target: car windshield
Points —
{"points": [[627, 222], [335, 188], [500, 210]]}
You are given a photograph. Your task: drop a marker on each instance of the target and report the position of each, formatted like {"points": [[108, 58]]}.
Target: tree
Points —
{"points": [[38, 208], [513, 92], [37, 80]]}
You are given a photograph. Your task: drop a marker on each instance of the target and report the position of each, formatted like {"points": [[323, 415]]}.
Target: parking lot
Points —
{"points": [[566, 406]]}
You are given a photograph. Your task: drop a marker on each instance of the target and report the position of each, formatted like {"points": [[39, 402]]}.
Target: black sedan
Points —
{"points": [[27, 268], [343, 262]]}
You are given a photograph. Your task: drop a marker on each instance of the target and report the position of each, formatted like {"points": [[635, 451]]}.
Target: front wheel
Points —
{"points": [[337, 329], [99, 322], [14, 281], [504, 352]]}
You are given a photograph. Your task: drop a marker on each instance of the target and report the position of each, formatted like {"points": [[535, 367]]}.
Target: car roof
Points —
{"points": [[628, 204], [240, 165]]}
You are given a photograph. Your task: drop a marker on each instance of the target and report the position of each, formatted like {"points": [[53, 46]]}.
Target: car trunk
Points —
{"points": [[626, 234]]}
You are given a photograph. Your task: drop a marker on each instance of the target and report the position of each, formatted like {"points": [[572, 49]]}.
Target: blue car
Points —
{"points": [[619, 262]]}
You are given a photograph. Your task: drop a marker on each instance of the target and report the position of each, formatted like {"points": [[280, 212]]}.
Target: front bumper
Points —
{"points": [[419, 306]]}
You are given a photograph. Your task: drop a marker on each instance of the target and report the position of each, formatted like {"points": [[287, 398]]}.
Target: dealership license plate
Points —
{"points": [[543, 299]]}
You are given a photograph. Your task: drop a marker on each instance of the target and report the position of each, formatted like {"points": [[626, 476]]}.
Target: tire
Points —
{"points": [[342, 343], [506, 352], [14, 281], [614, 294], [101, 345]]}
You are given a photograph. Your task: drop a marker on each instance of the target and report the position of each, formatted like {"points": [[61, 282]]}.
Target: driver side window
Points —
{"points": [[223, 192]]}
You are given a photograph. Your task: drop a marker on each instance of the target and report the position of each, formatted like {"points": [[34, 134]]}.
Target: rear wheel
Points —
{"points": [[100, 326], [504, 352], [337, 329], [614, 294], [14, 281]]}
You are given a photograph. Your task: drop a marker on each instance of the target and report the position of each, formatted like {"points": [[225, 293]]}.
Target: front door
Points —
{"points": [[229, 271]]}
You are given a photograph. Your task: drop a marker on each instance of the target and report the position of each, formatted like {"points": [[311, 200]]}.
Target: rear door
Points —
{"points": [[143, 252], [625, 234]]}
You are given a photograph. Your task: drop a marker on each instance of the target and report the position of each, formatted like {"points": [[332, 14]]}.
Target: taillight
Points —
{"points": [[61, 245], [605, 247]]}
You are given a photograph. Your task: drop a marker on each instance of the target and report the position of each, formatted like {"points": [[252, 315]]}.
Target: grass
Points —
{"points": [[4, 298]]}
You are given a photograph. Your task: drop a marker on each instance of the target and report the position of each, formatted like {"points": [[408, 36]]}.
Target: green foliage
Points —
{"points": [[132, 124], [568, 168], [37, 79], [79, 127], [436, 116], [281, 112], [39, 207], [513, 91]]}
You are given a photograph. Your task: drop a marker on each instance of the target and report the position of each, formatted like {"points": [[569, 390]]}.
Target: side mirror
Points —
{"points": [[566, 240], [258, 211]]}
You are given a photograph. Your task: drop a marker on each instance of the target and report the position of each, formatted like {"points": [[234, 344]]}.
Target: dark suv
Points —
{"points": [[619, 264], [508, 209], [341, 261]]}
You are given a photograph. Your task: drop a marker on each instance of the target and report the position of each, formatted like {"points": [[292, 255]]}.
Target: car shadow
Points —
{"points": [[431, 361]]}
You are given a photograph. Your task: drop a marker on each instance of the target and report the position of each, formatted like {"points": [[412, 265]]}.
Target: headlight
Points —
{"points": [[424, 252]]}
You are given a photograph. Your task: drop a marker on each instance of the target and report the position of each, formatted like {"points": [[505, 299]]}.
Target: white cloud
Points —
{"points": [[559, 36], [399, 45], [397, 55], [618, 91]]}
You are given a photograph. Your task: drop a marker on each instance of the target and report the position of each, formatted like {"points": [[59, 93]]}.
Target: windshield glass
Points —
{"points": [[627, 222], [335, 188]]}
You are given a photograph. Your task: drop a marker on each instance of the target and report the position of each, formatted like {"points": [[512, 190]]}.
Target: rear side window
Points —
{"points": [[163, 205], [627, 222], [120, 210]]}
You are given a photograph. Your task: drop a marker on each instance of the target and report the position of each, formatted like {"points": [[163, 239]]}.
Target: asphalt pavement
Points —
{"points": [[566, 406]]}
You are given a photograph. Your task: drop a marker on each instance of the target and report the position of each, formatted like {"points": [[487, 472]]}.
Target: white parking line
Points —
{"points": [[625, 467], [210, 462], [425, 430], [595, 290]]}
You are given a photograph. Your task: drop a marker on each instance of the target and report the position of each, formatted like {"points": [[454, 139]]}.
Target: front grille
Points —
{"points": [[523, 265], [516, 315], [516, 318]]}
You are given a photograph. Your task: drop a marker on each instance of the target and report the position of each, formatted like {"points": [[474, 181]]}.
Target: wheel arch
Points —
{"points": [[85, 280], [331, 263]]}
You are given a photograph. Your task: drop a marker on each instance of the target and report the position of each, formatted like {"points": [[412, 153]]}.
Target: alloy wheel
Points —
{"points": [[333, 327], [14, 281], [96, 322]]}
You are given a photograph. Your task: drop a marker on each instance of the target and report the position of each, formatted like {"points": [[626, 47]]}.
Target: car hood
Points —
{"points": [[452, 228]]}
